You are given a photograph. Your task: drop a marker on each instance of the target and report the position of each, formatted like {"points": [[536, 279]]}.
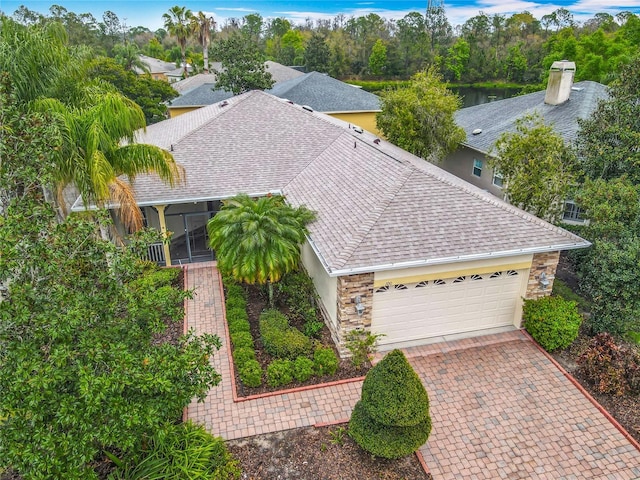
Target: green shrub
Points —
{"points": [[236, 314], [236, 302], [184, 450], [280, 339], [361, 344], [251, 373], [552, 321], [302, 369], [154, 279], [300, 296], [242, 339], [233, 289], [243, 355], [392, 418], [610, 368], [279, 373], [239, 325], [561, 289], [312, 328], [325, 361]]}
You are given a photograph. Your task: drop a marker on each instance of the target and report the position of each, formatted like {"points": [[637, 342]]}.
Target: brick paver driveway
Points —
{"points": [[500, 408]]}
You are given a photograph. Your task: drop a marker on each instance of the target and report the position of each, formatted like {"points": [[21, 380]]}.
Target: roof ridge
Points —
{"points": [[372, 219]]}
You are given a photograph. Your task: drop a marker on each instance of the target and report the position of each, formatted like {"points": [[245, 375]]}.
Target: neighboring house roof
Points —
{"points": [[378, 206], [155, 65], [281, 73], [205, 94], [497, 117], [326, 94], [197, 80]]}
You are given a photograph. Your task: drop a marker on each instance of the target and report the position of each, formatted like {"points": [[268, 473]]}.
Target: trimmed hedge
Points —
{"points": [[251, 373], [325, 361], [242, 339], [279, 373], [242, 356], [553, 322], [392, 418], [237, 313], [236, 302], [239, 325], [280, 339]]}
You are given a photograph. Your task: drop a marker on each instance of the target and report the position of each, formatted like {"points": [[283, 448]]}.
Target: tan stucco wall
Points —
{"points": [[366, 120], [326, 286], [460, 163], [176, 111], [450, 270]]}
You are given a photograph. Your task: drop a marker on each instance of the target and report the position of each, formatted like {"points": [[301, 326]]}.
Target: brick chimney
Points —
{"points": [[560, 82]]}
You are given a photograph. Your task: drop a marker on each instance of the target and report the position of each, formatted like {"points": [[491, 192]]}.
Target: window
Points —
{"points": [[497, 179], [477, 167], [572, 212]]}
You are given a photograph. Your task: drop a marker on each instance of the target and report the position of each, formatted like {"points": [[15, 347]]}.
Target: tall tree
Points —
{"points": [[258, 241], [378, 58], [128, 55], [419, 118], [177, 22], [538, 170], [243, 66], [201, 25], [317, 54]]}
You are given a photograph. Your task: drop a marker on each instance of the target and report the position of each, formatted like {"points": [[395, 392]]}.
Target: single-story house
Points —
{"points": [[400, 246], [158, 69], [560, 105], [199, 90], [327, 95]]}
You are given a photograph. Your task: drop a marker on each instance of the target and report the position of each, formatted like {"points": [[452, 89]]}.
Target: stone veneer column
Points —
{"points": [[542, 262], [348, 319]]}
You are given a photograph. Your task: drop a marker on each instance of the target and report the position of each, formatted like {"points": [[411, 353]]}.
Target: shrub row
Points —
{"points": [[244, 354], [610, 368], [280, 339], [283, 371]]}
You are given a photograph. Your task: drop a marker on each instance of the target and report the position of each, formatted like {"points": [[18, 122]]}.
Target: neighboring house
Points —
{"points": [[196, 92], [327, 95], [561, 105], [157, 68], [400, 246], [177, 74]]}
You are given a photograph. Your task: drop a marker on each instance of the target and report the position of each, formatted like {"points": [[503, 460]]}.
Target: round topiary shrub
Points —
{"points": [[279, 373], [251, 373], [392, 418], [553, 322], [280, 339], [302, 369], [325, 361]]}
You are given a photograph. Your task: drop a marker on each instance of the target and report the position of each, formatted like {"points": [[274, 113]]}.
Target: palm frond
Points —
{"points": [[122, 195]]}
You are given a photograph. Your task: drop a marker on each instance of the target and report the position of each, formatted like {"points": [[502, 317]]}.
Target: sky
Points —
{"points": [[148, 13]]}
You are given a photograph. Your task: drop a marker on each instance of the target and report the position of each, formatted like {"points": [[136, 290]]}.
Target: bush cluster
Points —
{"points": [[391, 420], [325, 361], [279, 373], [300, 296], [302, 369], [280, 339], [610, 368], [552, 321], [244, 354]]}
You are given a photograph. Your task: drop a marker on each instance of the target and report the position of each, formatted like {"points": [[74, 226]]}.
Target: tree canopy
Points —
{"points": [[419, 118]]}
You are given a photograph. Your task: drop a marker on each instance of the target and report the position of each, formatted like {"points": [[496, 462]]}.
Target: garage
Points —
{"points": [[407, 313]]}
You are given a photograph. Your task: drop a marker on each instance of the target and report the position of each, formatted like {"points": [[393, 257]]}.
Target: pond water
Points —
{"points": [[478, 96]]}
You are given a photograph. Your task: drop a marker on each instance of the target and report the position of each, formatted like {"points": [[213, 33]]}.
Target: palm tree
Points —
{"points": [[128, 55], [177, 23], [201, 26], [258, 241], [94, 158]]}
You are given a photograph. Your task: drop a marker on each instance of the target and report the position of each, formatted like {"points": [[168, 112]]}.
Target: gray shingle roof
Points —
{"points": [[200, 96], [326, 94], [156, 65], [495, 118], [378, 206], [194, 81]]}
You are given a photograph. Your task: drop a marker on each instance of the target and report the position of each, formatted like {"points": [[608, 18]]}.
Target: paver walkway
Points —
{"points": [[500, 408]]}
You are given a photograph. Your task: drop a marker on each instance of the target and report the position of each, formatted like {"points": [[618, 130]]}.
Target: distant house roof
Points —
{"points": [[378, 206], [326, 94], [156, 65], [205, 94], [497, 117], [281, 73], [195, 81]]}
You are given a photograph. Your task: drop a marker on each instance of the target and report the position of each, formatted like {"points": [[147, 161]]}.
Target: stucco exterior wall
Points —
{"points": [[460, 163], [176, 111], [326, 286], [366, 120]]}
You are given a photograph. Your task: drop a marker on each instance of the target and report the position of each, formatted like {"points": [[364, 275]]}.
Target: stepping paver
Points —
{"points": [[500, 408]]}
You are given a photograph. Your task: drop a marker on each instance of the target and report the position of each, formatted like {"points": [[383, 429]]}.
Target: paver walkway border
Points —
{"points": [[326, 405]]}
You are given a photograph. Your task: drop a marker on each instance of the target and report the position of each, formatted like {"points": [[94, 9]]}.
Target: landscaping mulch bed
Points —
{"points": [[625, 409], [256, 303], [317, 453]]}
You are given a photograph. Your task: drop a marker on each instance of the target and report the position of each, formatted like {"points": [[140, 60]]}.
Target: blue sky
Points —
{"points": [[148, 13]]}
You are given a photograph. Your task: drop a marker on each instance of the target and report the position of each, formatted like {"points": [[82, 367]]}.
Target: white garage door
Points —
{"points": [[406, 313]]}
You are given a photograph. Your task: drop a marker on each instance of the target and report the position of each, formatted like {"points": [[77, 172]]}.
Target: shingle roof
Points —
{"points": [[378, 206], [156, 65], [205, 94], [495, 118], [326, 94], [194, 81]]}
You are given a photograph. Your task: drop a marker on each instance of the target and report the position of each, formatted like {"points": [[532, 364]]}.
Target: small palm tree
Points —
{"points": [[201, 26], [258, 241], [177, 22], [128, 56]]}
